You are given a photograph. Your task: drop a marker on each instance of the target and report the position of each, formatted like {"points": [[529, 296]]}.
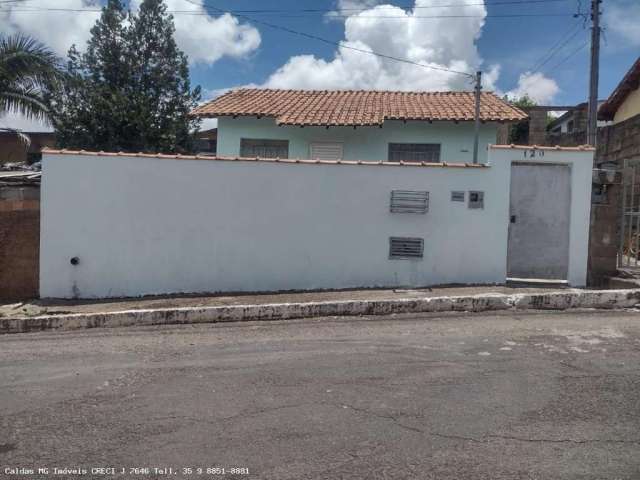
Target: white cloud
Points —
{"points": [[345, 5], [56, 28], [204, 38], [537, 87], [623, 21], [447, 43], [208, 123]]}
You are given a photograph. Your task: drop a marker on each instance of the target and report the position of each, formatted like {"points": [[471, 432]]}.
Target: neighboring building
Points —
{"points": [[574, 120], [624, 102], [207, 142], [356, 125], [12, 150], [616, 220], [19, 234]]}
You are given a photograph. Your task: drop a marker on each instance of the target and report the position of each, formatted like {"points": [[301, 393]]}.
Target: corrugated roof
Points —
{"points": [[357, 107]]}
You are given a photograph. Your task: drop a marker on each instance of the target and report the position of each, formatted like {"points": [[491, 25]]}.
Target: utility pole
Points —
{"points": [[476, 138], [592, 119]]}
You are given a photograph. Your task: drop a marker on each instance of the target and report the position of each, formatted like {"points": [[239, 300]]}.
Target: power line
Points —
{"points": [[338, 44], [570, 55], [411, 17], [235, 13], [404, 7], [557, 48], [361, 9]]}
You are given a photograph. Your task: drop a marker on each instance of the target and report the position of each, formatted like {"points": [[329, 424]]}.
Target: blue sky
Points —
{"points": [[516, 44], [232, 50]]}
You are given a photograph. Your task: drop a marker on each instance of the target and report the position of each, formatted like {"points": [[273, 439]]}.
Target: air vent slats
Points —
{"points": [[409, 201], [405, 247]]}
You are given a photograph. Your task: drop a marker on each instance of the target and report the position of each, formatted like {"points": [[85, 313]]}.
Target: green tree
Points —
{"points": [[91, 108], [28, 69], [130, 90], [163, 97], [519, 132]]}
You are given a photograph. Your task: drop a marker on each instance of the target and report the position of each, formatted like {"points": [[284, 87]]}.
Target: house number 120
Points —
{"points": [[533, 153]]}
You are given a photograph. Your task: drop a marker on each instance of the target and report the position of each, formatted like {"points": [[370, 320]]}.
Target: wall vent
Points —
{"points": [[476, 199], [457, 196], [404, 247], [409, 201], [326, 151]]}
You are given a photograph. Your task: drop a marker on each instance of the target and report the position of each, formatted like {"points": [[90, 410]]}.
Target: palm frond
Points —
{"points": [[28, 69], [25, 102]]}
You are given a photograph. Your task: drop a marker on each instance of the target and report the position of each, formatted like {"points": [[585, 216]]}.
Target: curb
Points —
{"points": [[561, 300]]}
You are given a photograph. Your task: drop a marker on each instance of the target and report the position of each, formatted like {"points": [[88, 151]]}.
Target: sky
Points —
{"points": [[535, 47]]}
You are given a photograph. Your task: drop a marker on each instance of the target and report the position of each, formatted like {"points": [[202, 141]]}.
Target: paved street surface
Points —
{"points": [[527, 396]]}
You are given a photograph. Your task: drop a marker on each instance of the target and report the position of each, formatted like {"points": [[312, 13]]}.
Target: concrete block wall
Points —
{"points": [[19, 248]]}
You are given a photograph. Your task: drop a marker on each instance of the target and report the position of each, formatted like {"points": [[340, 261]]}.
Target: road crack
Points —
{"points": [[484, 438]]}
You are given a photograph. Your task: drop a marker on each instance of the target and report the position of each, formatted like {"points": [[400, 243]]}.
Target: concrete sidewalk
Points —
{"points": [[71, 315], [59, 306]]}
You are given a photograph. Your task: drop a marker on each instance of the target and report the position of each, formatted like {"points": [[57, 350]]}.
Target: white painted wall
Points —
{"points": [[149, 226]]}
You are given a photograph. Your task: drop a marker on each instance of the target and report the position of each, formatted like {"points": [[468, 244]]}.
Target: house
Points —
{"points": [[356, 125], [12, 150], [574, 120], [619, 149], [624, 102]]}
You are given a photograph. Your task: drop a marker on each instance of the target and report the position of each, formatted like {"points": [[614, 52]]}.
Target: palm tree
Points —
{"points": [[27, 70]]}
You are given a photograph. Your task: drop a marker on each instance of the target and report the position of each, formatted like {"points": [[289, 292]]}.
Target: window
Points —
{"points": [[264, 148], [405, 248], [570, 126], [414, 152], [326, 151]]}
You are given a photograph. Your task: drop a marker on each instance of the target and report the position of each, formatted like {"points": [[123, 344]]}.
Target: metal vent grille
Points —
{"points": [[457, 196], [409, 201], [404, 247], [476, 200], [326, 151]]}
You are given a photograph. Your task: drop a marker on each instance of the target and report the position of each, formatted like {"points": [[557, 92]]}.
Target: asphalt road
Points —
{"points": [[527, 396]]}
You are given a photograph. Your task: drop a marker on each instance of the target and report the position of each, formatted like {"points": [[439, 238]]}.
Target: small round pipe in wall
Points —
{"points": [[74, 261]]}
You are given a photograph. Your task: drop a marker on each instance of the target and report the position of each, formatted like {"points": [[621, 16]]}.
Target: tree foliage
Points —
{"points": [[519, 132], [130, 90], [28, 70]]}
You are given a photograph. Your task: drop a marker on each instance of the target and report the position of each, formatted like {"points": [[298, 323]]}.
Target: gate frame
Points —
{"points": [[629, 214]]}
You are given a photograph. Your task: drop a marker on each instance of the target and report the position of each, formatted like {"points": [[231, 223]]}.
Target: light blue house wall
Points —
{"points": [[362, 143]]}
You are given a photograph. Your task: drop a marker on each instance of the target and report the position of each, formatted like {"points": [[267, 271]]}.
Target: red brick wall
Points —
{"points": [[19, 249]]}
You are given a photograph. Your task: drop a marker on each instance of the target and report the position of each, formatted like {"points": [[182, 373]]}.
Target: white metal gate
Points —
{"points": [[540, 209], [628, 256]]}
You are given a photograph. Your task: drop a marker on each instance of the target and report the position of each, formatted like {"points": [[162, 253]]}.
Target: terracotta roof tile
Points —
{"points": [[357, 107], [50, 151]]}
